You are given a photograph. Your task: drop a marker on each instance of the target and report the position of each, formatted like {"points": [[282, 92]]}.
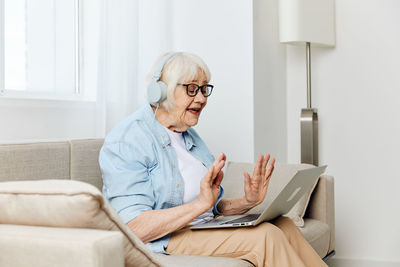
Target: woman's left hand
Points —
{"points": [[255, 188]]}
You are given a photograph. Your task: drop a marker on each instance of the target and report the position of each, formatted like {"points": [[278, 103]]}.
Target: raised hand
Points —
{"points": [[209, 185], [255, 188]]}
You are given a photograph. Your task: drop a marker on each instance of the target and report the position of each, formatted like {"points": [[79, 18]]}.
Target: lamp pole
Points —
{"points": [[309, 121], [308, 66]]}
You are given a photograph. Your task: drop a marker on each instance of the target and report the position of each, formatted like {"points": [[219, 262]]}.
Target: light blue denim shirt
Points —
{"points": [[140, 168]]}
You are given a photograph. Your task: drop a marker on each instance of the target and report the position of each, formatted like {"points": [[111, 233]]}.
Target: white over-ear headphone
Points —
{"points": [[157, 90]]}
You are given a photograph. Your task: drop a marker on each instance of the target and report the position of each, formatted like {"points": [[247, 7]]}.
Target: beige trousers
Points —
{"points": [[278, 243]]}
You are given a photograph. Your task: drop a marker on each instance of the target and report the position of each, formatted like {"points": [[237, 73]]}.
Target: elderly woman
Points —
{"points": [[160, 177]]}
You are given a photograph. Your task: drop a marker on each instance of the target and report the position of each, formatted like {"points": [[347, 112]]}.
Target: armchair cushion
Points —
{"points": [[68, 204], [26, 246]]}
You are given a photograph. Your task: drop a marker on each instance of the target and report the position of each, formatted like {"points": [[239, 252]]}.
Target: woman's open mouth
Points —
{"points": [[194, 111]]}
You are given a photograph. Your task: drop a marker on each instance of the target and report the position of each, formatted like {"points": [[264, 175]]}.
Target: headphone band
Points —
{"points": [[158, 72]]}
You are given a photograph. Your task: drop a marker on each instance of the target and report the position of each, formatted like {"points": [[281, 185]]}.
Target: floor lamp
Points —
{"points": [[309, 23]]}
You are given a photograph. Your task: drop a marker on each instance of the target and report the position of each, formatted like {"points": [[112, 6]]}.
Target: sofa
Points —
{"points": [[52, 212]]}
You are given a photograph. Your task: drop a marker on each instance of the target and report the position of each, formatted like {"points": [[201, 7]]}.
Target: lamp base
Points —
{"points": [[309, 136]]}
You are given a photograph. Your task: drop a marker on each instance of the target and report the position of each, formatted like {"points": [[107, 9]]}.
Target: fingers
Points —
{"points": [[214, 170], [218, 179], [218, 164], [262, 169], [270, 168], [269, 171], [221, 156], [214, 174], [257, 168], [219, 159], [209, 176], [218, 167], [264, 164]]}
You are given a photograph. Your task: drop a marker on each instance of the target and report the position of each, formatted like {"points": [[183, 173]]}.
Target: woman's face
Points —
{"points": [[187, 109]]}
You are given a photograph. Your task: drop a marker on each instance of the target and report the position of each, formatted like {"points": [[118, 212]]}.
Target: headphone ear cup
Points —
{"points": [[163, 89], [156, 92]]}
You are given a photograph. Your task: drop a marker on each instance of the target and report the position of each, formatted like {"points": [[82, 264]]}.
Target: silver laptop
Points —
{"points": [[298, 185]]}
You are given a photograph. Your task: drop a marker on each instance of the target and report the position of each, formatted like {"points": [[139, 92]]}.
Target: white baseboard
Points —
{"points": [[340, 262]]}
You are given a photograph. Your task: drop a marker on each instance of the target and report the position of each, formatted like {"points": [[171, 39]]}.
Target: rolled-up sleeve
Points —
{"points": [[127, 185], [215, 208]]}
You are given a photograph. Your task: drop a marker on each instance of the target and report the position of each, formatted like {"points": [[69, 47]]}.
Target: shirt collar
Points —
{"points": [[188, 140]]}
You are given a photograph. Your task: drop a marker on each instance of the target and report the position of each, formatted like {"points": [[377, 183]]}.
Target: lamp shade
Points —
{"points": [[302, 21]]}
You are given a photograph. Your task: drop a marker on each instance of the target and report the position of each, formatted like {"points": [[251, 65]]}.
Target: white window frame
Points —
{"points": [[79, 93]]}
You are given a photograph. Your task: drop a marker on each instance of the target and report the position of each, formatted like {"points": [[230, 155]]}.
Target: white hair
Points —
{"points": [[182, 66]]}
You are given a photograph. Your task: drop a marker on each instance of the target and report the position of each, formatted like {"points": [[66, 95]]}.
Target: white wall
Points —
{"points": [[270, 131], [223, 37], [24, 120], [246, 114], [155, 36], [356, 88]]}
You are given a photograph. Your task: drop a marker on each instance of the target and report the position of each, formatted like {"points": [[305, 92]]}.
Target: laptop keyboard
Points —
{"points": [[247, 218]]}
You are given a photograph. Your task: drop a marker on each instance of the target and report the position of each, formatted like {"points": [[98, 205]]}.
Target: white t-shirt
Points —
{"points": [[192, 171]]}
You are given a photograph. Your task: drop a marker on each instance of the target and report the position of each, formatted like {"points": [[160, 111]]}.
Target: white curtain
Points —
{"points": [[133, 33], [118, 63]]}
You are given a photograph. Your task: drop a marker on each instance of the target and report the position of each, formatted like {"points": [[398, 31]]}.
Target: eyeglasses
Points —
{"points": [[192, 89]]}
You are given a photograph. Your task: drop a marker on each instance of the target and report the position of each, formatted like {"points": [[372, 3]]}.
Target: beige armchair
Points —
{"points": [[48, 220]]}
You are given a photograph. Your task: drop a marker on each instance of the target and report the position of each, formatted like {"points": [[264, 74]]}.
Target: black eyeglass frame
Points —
{"points": [[202, 88]]}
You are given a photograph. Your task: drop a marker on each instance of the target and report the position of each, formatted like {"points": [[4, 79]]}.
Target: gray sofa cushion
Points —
{"points": [[85, 161], [34, 161], [317, 234]]}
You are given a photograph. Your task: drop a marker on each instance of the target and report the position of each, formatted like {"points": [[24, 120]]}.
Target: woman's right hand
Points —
{"points": [[210, 184], [153, 224]]}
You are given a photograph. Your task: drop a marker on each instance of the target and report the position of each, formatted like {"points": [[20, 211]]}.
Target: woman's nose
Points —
{"points": [[200, 97]]}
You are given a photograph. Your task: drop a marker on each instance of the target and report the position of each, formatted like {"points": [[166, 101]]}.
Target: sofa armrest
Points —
{"points": [[322, 205], [22, 246]]}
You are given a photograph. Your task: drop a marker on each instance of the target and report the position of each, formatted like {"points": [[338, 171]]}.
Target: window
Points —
{"points": [[40, 48]]}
